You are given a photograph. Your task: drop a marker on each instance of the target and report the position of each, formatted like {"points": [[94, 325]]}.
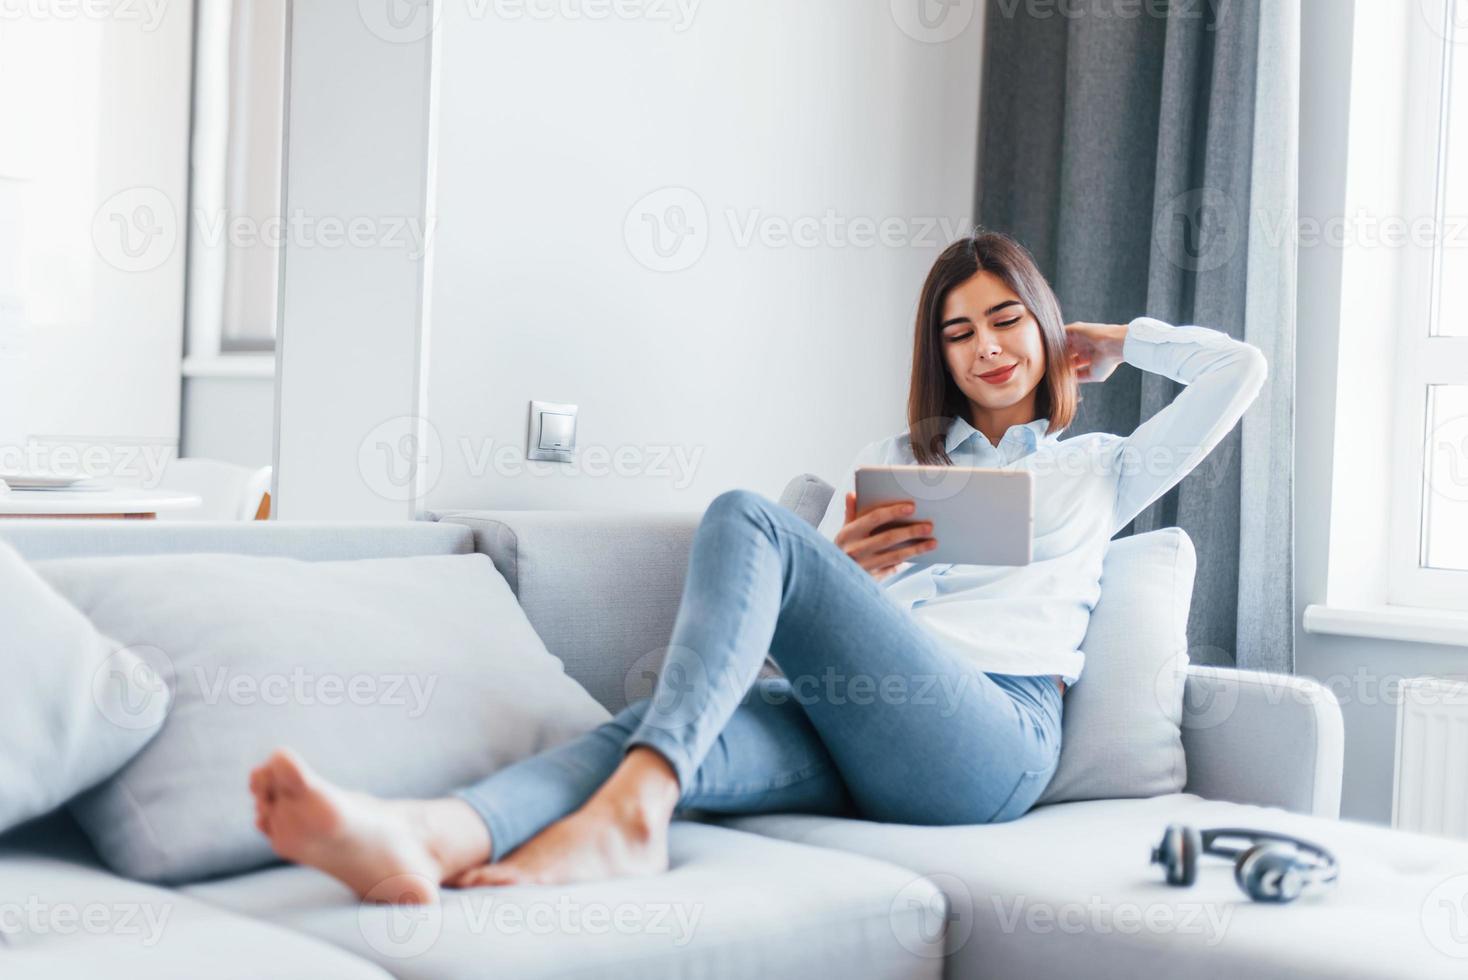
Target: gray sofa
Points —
{"points": [[1064, 891]]}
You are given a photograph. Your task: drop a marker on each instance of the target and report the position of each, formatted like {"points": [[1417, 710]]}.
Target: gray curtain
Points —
{"points": [[1146, 154]]}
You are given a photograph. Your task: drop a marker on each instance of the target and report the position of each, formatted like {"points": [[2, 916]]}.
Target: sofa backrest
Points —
{"points": [[40, 540], [601, 589]]}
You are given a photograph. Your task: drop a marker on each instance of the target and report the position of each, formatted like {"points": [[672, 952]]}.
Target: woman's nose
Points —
{"points": [[988, 347]]}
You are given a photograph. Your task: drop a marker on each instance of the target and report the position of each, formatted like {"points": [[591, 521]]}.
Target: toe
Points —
{"points": [[485, 876], [290, 774]]}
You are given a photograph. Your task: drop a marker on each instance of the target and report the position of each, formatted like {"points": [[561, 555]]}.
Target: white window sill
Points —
{"points": [[230, 366], [1407, 624]]}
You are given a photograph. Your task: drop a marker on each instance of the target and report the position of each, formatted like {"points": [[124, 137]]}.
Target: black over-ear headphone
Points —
{"points": [[1270, 868]]}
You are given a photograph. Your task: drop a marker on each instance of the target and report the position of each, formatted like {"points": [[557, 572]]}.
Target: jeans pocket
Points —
{"points": [[1031, 784]]}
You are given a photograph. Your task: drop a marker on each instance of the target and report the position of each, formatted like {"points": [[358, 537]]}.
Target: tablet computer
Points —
{"points": [[979, 516]]}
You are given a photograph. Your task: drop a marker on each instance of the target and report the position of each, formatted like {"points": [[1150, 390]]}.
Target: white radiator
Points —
{"points": [[1430, 790]]}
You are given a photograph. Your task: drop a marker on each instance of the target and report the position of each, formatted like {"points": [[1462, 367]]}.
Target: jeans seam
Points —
{"points": [[1024, 777], [781, 782]]}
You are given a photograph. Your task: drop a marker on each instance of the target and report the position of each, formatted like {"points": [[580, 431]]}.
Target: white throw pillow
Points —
{"points": [[1123, 719], [404, 677], [78, 706]]}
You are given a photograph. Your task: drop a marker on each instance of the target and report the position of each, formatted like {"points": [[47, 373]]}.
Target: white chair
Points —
{"points": [[230, 492]]}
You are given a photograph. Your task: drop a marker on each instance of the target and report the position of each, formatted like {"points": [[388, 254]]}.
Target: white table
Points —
{"points": [[117, 503]]}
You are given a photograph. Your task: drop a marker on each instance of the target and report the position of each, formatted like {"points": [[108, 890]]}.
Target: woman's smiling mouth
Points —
{"points": [[1000, 376]]}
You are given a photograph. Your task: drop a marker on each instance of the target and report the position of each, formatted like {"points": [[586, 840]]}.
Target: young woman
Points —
{"points": [[911, 694]]}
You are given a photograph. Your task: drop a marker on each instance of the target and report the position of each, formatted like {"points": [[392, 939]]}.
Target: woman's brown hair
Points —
{"points": [[933, 396]]}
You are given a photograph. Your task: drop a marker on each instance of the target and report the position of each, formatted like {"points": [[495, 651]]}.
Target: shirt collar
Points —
{"points": [[1033, 433]]}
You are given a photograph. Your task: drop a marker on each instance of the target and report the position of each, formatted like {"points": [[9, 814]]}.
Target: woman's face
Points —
{"points": [[986, 329]]}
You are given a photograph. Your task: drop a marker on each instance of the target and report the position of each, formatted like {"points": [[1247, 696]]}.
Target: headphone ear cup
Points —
{"points": [[1269, 872], [1192, 848], [1178, 854]]}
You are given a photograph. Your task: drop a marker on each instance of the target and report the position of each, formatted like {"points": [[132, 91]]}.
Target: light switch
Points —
{"points": [[552, 433], [557, 431]]}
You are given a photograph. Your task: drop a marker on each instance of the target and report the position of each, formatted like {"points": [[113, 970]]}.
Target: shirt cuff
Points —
{"points": [[1158, 347]]}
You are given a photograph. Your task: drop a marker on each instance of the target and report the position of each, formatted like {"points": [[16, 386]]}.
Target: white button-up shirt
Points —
{"points": [[1032, 619]]}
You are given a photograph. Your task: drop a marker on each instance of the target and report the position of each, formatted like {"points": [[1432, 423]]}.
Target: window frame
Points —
{"points": [[213, 348], [1423, 359]]}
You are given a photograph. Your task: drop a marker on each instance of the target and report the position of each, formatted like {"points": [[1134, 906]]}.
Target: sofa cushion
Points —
{"points": [[61, 916], [732, 905], [399, 676], [1122, 730], [1067, 891], [80, 705]]}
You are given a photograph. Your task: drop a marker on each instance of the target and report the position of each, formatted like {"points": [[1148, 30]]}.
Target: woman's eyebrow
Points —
{"points": [[989, 312]]}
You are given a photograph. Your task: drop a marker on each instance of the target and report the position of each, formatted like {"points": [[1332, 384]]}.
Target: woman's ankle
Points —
{"points": [[454, 833], [643, 791]]}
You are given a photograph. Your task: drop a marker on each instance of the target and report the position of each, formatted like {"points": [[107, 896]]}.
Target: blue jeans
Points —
{"points": [[873, 718]]}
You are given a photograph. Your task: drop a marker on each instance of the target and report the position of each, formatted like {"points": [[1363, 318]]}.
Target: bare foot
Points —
{"points": [[622, 831], [384, 850]]}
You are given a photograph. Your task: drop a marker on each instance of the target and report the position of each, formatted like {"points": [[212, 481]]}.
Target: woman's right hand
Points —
{"points": [[881, 553]]}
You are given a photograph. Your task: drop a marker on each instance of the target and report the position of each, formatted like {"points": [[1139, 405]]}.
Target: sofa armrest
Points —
{"points": [[1266, 739]]}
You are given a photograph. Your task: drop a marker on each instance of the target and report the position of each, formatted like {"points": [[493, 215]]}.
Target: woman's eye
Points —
{"points": [[954, 338], [1009, 323]]}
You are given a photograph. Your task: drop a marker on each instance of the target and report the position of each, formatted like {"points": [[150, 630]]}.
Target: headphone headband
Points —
{"points": [[1323, 869]]}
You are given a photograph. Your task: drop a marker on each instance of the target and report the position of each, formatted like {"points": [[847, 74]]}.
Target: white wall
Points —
{"points": [[757, 361], [229, 419], [347, 343], [94, 117]]}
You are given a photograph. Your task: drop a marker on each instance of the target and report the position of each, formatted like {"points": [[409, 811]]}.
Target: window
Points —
{"points": [[1429, 564], [239, 124]]}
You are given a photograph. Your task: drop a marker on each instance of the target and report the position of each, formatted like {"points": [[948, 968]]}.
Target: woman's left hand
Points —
{"points": [[1095, 349]]}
